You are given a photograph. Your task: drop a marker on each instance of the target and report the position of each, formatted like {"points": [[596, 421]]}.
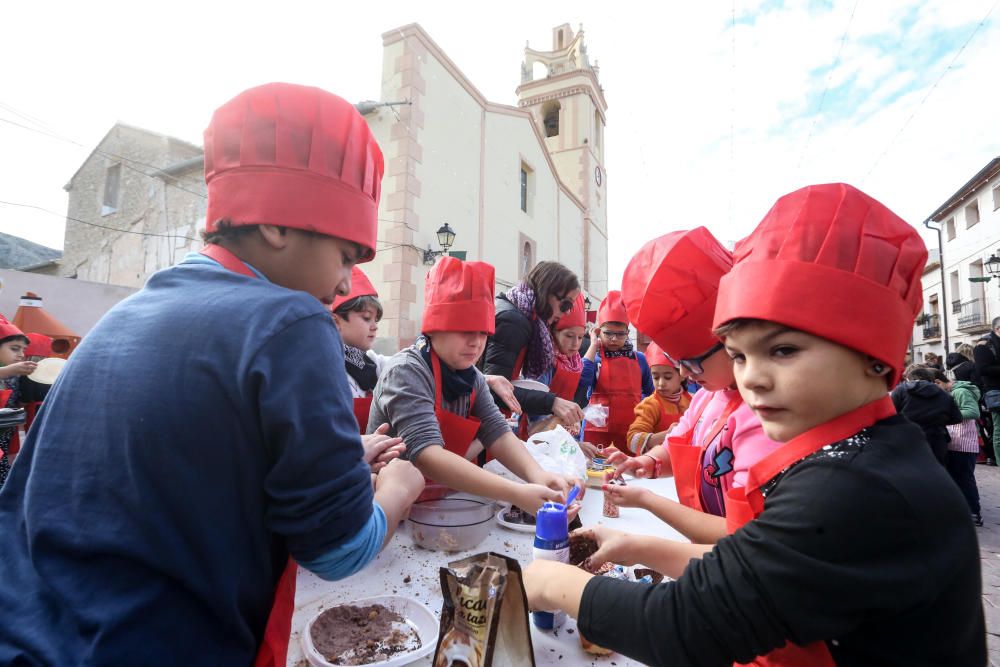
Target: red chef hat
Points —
{"points": [[831, 261], [39, 345], [576, 317], [669, 288], [656, 357], [294, 156], [8, 330], [612, 309], [360, 286], [458, 296]]}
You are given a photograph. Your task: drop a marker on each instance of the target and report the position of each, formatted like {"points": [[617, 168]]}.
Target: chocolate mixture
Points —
{"points": [[348, 635]]}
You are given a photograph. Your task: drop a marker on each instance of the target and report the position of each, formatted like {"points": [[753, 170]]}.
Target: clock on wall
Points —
{"points": [[597, 175]]}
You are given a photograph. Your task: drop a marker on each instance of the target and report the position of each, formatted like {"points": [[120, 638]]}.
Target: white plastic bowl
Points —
{"points": [[416, 615]]}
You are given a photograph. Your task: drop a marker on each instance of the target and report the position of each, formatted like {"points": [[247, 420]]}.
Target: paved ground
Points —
{"points": [[988, 479]]}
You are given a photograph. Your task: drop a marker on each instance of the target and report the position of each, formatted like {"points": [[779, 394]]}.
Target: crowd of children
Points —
{"points": [[821, 530]]}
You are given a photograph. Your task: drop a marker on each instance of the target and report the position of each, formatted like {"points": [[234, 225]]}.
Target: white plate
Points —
{"points": [[417, 616], [530, 384], [519, 527]]}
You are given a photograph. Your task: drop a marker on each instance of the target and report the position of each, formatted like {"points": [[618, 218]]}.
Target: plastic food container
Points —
{"points": [[451, 521]]}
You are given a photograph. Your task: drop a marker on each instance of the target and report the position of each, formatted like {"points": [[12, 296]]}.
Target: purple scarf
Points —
{"points": [[540, 354]]}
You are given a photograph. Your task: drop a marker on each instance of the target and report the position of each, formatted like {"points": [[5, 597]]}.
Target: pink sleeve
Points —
{"points": [[749, 444]]}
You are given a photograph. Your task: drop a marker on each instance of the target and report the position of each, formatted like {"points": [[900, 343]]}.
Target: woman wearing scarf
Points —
{"points": [[563, 376], [619, 375], [522, 342], [436, 400]]}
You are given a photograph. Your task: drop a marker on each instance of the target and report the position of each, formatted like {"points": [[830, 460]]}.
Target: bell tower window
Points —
{"points": [[550, 118]]}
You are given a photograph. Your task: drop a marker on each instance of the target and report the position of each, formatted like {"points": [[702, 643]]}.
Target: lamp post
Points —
{"points": [[992, 265], [446, 239]]}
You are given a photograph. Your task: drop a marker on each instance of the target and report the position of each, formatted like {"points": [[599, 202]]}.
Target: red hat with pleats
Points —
{"points": [[612, 309], [39, 345], [360, 286], [295, 156], [656, 357], [8, 330], [833, 262], [576, 317], [669, 289], [458, 296]]}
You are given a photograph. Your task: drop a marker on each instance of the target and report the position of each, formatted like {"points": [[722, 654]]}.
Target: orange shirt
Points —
{"points": [[654, 415]]}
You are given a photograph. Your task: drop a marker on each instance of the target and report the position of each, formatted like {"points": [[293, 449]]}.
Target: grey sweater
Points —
{"points": [[404, 398]]}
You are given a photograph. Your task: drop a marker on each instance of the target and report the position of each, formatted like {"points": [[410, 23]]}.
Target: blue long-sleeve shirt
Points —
{"points": [[196, 437]]}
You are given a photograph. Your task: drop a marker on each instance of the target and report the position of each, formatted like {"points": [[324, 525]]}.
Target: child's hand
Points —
{"points": [[590, 451], [613, 546], [502, 387], [531, 497], [641, 467], [380, 448], [567, 412], [626, 496], [19, 368], [402, 478]]}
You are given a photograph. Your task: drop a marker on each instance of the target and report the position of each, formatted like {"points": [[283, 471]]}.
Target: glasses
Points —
{"points": [[694, 364], [565, 305], [614, 335]]}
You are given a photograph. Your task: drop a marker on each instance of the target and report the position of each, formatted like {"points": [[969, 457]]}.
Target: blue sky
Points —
{"points": [[696, 134]]}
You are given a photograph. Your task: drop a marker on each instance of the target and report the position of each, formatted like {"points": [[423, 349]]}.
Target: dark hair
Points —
{"points": [[359, 304], [954, 360], [729, 327], [550, 279], [27, 341], [225, 230], [965, 372], [920, 372]]}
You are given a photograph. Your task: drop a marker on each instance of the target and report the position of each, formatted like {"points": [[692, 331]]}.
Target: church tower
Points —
{"points": [[562, 91]]}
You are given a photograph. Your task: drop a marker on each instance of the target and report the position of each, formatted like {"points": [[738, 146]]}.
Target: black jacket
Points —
{"points": [[931, 408], [866, 545], [513, 334], [987, 357]]}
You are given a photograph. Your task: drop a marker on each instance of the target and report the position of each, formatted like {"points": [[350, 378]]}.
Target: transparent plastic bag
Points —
{"points": [[558, 452], [596, 415]]}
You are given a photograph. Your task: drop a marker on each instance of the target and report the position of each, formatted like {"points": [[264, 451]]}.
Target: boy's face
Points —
{"points": [[666, 380], [12, 352], [569, 340], [613, 336], [358, 329], [716, 375], [794, 381], [459, 349], [314, 263]]}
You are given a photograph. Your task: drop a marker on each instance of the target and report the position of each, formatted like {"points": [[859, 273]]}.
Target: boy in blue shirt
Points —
{"points": [[154, 529]]}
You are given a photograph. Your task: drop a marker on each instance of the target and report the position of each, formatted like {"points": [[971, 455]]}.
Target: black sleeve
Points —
{"points": [[898, 394], [513, 333], [581, 397], [954, 413], [806, 570], [986, 362]]}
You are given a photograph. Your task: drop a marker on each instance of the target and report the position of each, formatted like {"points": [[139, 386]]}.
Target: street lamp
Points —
{"points": [[993, 265], [446, 239]]}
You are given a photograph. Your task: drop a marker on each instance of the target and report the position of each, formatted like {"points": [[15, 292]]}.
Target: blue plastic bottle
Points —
{"points": [[551, 543]]}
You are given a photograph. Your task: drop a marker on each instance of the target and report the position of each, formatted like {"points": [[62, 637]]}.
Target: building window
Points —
{"points": [[996, 197], [560, 40], [112, 182], [597, 130], [550, 118], [527, 186], [526, 256], [971, 214], [949, 228], [956, 292]]}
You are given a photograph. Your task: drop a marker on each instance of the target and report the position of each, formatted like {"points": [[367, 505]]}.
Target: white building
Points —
{"points": [[517, 184], [960, 296]]}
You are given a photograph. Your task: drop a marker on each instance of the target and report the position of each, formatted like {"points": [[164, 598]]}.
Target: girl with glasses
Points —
{"points": [[617, 376]]}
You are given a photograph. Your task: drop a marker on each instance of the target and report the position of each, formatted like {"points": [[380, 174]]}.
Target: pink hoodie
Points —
{"points": [[740, 444]]}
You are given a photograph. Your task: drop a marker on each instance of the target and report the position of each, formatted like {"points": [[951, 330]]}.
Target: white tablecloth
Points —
{"points": [[401, 559]]}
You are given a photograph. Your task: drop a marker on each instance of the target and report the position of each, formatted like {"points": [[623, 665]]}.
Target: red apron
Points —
{"points": [[564, 383], [362, 408], [687, 457], [744, 505], [273, 651], [619, 387], [457, 432]]}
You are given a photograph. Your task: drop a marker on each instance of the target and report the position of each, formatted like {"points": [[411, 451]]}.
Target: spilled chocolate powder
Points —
{"points": [[349, 635]]}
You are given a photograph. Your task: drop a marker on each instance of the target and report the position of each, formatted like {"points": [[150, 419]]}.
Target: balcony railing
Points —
{"points": [[972, 315], [932, 327]]}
